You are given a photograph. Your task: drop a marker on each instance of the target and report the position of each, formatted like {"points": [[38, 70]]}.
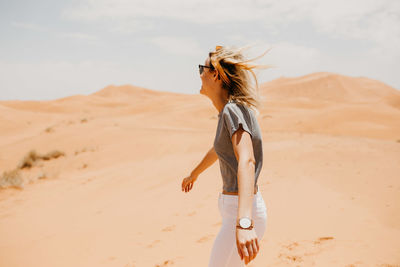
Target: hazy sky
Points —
{"points": [[51, 49]]}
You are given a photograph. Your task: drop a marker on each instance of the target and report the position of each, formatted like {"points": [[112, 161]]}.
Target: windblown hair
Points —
{"points": [[234, 70]]}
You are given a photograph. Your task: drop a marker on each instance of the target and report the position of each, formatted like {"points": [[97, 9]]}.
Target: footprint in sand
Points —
{"points": [[204, 238], [322, 239], [153, 243], [165, 263], [217, 224], [303, 251], [357, 263], [169, 228], [292, 246], [87, 180]]}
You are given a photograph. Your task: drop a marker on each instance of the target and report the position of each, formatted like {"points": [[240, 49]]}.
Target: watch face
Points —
{"points": [[245, 222]]}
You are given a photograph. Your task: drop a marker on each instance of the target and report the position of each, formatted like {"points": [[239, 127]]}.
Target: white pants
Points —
{"points": [[224, 252]]}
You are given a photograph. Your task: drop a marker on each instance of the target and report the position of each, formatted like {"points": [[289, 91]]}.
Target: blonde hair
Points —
{"points": [[234, 69]]}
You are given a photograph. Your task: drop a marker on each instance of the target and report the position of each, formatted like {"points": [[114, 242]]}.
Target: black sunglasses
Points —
{"points": [[201, 68]]}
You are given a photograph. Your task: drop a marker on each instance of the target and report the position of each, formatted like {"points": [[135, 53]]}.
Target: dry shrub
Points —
{"points": [[49, 129], [53, 154], [29, 160], [11, 178], [42, 176]]}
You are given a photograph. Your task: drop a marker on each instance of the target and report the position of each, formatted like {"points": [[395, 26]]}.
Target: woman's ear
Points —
{"points": [[216, 75]]}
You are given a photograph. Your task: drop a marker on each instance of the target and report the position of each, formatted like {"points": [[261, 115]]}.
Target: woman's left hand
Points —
{"points": [[247, 244]]}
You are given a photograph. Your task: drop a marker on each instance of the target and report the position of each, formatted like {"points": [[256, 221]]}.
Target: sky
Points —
{"points": [[51, 49]]}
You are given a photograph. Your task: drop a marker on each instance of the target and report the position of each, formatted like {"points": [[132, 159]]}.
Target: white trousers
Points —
{"points": [[224, 252]]}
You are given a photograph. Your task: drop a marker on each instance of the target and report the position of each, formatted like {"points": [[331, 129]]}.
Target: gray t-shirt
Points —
{"points": [[229, 120]]}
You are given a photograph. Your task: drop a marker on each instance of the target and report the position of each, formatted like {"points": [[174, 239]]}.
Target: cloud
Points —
{"points": [[178, 45], [77, 36], [53, 79], [287, 59], [189, 10], [302, 30], [370, 20], [69, 35], [28, 26], [360, 19], [376, 22], [131, 25]]}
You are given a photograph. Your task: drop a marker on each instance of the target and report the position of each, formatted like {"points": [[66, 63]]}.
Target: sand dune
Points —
{"points": [[331, 87], [330, 177]]}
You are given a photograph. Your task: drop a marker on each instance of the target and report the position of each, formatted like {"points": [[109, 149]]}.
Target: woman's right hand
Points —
{"points": [[187, 183]]}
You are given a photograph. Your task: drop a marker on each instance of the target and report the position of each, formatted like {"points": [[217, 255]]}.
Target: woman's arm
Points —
{"points": [[207, 161], [243, 149], [246, 240]]}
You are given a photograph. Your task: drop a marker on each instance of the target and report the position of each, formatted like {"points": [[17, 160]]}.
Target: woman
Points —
{"points": [[238, 146]]}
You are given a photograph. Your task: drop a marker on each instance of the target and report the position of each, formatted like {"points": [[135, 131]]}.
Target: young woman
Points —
{"points": [[226, 81]]}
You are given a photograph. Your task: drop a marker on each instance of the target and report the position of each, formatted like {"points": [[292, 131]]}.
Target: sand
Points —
{"points": [[330, 178]]}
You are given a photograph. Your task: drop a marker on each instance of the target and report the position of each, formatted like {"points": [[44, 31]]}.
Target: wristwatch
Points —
{"points": [[245, 223]]}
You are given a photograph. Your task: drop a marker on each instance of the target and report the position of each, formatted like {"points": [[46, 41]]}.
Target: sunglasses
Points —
{"points": [[201, 68]]}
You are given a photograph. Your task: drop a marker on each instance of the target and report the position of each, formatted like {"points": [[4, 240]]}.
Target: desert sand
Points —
{"points": [[330, 177]]}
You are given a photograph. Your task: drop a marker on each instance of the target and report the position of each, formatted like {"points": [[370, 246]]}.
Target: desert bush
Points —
{"points": [[29, 160], [42, 176], [53, 154], [49, 129], [11, 179]]}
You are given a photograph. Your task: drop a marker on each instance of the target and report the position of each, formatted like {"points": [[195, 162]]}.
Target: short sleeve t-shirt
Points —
{"points": [[232, 116]]}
